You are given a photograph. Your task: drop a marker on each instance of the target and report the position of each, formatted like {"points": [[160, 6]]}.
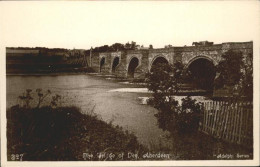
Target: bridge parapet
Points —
{"points": [[240, 46], [198, 48], [161, 50], [137, 51]]}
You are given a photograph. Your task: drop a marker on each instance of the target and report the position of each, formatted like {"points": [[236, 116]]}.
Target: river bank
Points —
{"points": [[86, 92], [123, 108]]}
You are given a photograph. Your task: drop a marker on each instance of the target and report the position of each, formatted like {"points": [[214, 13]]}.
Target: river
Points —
{"points": [[119, 103], [100, 95]]}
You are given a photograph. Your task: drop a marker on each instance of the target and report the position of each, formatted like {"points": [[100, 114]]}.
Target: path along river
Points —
{"points": [[111, 100]]}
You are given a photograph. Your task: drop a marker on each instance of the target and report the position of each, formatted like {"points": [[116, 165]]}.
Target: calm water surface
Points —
{"points": [[92, 92]]}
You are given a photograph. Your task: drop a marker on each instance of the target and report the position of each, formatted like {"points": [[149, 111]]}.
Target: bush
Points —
{"points": [[164, 82], [52, 132], [189, 116], [183, 119]]}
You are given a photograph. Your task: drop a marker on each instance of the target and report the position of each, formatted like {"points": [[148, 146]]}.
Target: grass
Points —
{"points": [[200, 146], [64, 134]]}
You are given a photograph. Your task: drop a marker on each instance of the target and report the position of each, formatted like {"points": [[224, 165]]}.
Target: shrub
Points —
{"points": [[183, 119], [188, 116], [164, 82]]}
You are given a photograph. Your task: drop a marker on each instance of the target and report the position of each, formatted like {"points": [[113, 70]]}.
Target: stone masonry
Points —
{"points": [[146, 58]]}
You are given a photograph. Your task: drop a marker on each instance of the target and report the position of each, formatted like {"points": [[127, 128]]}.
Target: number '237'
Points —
{"points": [[16, 157]]}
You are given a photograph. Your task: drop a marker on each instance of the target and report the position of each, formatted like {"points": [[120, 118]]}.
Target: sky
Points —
{"points": [[81, 24]]}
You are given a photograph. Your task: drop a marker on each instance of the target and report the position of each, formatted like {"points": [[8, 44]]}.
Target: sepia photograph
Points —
{"points": [[131, 83]]}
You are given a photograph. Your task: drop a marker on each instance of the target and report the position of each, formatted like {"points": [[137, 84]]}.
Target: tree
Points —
{"points": [[229, 69], [236, 72], [127, 45], [164, 81], [117, 47], [133, 45], [246, 87], [162, 84]]}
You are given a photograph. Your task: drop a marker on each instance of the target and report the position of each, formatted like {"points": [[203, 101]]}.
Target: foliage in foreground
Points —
{"points": [[236, 71], [51, 132], [183, 119], [164, 83]]}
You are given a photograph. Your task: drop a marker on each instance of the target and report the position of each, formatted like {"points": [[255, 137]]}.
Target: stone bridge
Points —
{"points": [[135, 63]]}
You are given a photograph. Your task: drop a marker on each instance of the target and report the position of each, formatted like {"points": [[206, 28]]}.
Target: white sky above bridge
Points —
{"points": [[84, 24]]}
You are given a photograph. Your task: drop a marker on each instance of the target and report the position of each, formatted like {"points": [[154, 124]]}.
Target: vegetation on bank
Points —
{"points": [[47, 131], [234, 71], [182, 119], [164, 81]]}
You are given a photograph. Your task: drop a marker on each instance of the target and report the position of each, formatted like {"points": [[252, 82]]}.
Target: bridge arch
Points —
{"points": [[202, 72], [133, 64], [158, 60], [115, 63], [200, 57], [102, 63]]}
